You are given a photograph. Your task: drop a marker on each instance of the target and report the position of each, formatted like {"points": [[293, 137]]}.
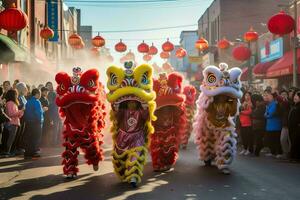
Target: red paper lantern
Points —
{"points": [[120, 47], [152, 50], [281, 23], [147, 57], [167, 46], [164, 55], [201, 44], [13, 19], [223, 44], [98, 41], [79, 46], [46, 33], [75, 39], [109, 58], [241, 53], [251, 36], [143, 48], [180, 52], [95, 52]]}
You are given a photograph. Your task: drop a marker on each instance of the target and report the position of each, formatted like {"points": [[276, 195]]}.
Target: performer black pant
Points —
{"points": [[247, 138]]}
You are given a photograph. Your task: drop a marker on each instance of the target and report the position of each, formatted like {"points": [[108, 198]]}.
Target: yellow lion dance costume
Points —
{"points": [[132, 100]]}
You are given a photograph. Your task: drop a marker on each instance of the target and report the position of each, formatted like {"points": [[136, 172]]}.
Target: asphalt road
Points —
{"points": [[252, 178]]}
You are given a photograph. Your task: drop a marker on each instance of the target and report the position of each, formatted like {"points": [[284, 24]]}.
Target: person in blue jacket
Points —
{"points": [[34, 119], [273, 123]]}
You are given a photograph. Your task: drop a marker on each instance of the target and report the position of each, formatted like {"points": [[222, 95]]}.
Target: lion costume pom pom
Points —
{"points": [[217, 106], [171, 121], [81, 103]]}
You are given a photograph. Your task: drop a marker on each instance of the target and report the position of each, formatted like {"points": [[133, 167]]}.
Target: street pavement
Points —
{"points": [[252, 178]]}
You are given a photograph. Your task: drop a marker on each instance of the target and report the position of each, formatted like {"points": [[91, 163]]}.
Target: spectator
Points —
{"points": [[273, 123], [3, 117], [14, 114], [54, 115], [47, 123], [283, 109], [294, 127], [258, 122], [246, 124], [34, 120], [15, 84], [18, 145], [6, 87]]}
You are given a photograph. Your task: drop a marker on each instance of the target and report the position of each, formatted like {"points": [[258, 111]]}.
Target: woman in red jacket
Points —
{"points": [[246, 124]]}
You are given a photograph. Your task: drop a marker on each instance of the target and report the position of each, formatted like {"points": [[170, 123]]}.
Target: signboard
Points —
{"points": [[271, 51], [195, 59], [53, 18], [208, 59]]}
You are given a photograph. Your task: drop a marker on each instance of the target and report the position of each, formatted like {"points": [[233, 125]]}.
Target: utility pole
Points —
{"points": [[295, 47]]}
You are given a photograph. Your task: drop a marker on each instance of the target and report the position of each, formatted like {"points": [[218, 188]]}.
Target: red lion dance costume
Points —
{"points": [[170, 123], [217, 106], [80, 99], [190, 94]]}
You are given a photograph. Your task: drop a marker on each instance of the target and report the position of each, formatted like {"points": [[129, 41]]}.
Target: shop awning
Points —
{"points": [[10, 51], [261, 68], [283, 66], [244, 76]]}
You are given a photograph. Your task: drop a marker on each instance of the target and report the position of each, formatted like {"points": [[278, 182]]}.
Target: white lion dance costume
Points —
{"points": [[132, 99], [217, 106]]}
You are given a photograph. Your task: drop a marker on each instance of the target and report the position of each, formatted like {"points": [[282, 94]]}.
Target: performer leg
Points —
{"points": [[70, 160], [90, 145], [206, 147], [226, 150]]}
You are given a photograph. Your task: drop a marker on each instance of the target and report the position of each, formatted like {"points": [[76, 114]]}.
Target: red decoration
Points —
{"points": [[79, 46], [201, 44], [241, 53], [143, 47], [153, 50], [46, 33], [120, 47], [180, 52], [95, 52], [75, 39], [167, 46], [223, 44], [164, 55], [109, 58], [130, 56], [281, 23], [13, 19], [98, 41], [251, 36], [147, 57]]}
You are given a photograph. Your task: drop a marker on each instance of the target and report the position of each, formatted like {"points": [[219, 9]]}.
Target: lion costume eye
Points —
{"points": [[91, 83], [62, 87], [113, 79], [145, 80], [211, 78]]}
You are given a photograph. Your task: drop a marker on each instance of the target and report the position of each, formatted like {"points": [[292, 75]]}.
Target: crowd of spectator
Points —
{"points": [[270, 121], [29, 119]]}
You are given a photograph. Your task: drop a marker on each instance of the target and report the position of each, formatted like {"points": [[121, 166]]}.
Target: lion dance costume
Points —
{"points": [[133, 106], [190, 98], [217, 106], [80, 99], [171, 120]]}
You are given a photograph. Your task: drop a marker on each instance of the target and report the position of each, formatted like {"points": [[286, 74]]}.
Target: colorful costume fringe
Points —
{"points": [[131, 127], [171, 121], [190, 94], [216, 107], [80, 99]]}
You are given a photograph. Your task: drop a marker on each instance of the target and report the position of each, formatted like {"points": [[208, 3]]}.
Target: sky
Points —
{"points": [[131, 16]]}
